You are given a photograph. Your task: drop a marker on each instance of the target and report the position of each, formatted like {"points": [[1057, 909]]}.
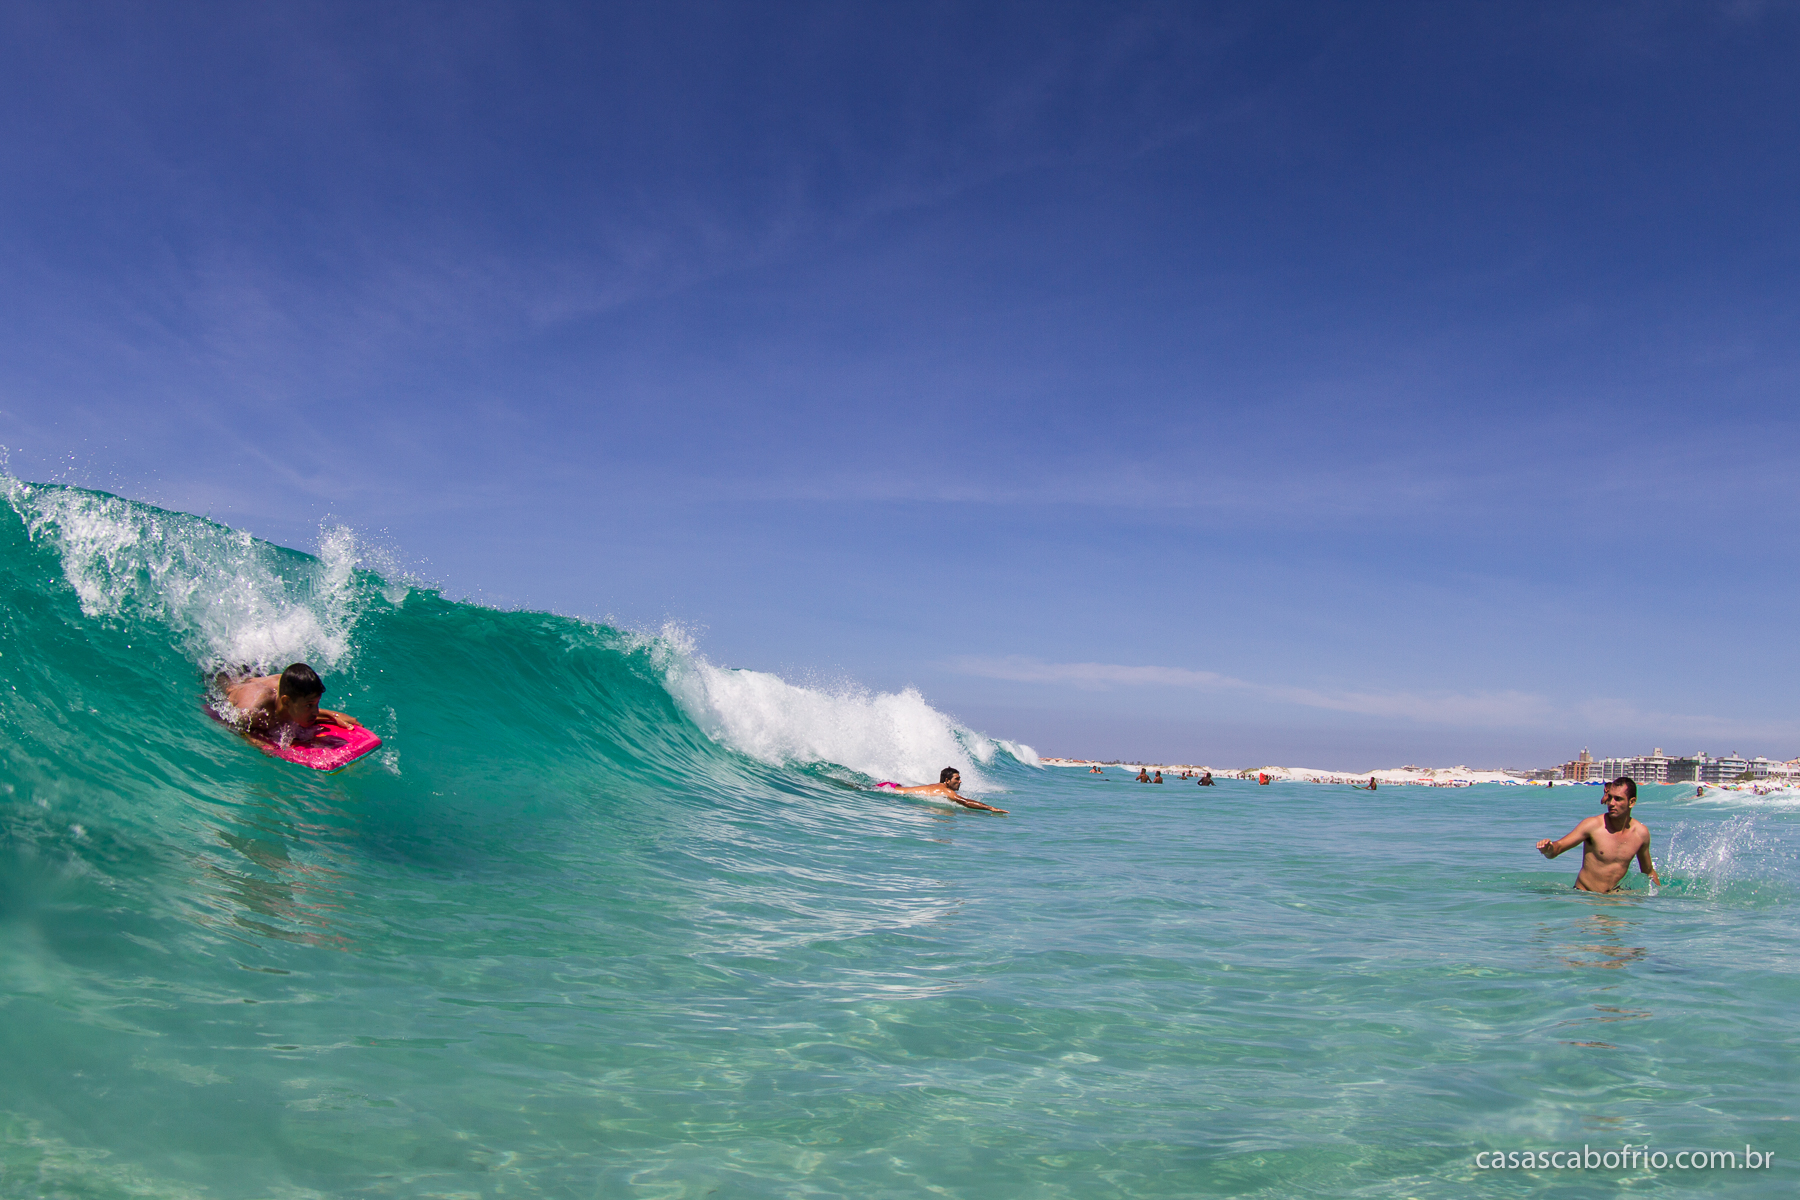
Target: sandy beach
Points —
{"points": [[1459, 776]]}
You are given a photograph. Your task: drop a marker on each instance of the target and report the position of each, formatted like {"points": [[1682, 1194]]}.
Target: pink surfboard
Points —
{"points": [[329, 749]]}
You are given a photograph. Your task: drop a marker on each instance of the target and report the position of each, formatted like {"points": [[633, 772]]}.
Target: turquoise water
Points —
{"points": [[602, 919]]}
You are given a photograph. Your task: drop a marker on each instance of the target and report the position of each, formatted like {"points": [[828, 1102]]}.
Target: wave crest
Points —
{"points": [[882, 735], [238, 600]]}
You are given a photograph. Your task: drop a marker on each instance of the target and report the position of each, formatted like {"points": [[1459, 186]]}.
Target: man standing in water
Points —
{"points": [[948, 786], [272, 704], [1608, 842]]}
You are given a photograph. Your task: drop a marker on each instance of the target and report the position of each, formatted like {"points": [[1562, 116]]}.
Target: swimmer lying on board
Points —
{"points": [[270, 703], [1609, 842], [949, 780]]}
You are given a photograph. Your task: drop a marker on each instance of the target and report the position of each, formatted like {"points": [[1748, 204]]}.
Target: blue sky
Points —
{"points": [[1311, 383]]}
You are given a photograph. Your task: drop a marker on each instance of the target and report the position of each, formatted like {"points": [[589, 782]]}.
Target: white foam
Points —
{"points": [[1020, 751], [1764, 797], [239, 601], [885, 735]]}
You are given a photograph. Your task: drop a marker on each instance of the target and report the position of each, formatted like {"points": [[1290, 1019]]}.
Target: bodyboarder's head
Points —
{"points": [[298, 693]]}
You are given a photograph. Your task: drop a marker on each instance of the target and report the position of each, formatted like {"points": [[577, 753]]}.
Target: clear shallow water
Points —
{"points": [[611, 922]]}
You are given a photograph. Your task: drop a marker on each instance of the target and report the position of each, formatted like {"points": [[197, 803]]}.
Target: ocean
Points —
{"points": [[604, 919]]}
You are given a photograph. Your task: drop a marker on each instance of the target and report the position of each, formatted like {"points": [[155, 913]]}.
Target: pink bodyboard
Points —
{"points": [[329, 749]]}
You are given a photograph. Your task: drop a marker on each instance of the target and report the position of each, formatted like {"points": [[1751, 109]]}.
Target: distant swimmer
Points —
{"points": [[1366, 787], [948, 785], [1608, 842], [274, 704], [1206, 780]]}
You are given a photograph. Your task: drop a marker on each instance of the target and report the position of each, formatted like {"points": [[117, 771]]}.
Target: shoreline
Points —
{"points": [[1460, 776], [1410, 776]]}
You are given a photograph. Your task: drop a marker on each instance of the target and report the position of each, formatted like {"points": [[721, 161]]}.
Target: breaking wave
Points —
{"points": [[152, 587]]}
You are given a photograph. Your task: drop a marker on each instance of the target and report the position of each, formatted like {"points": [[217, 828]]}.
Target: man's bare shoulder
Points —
{"points": [[253, 693]]}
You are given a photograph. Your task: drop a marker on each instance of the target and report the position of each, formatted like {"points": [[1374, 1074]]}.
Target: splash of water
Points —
{"points": [[1736, 858]]}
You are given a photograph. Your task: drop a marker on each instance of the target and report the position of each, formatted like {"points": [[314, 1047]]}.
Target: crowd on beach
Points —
{"points": [[1204, 775], [1408, 776]]}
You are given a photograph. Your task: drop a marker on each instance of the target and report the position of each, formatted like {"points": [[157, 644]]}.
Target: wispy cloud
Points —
{"points": [[1485, 709], [1596, 717], [1722, 734]]}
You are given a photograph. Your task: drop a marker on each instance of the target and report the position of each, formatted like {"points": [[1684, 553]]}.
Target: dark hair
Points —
{"points": [[1626, 782], [947, 774], [301, 680]]}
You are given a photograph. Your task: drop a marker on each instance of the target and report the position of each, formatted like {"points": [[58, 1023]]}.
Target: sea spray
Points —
{"points": [[231, 599], [1737, 859]]}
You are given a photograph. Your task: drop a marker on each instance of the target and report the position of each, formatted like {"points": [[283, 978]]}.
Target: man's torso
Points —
{"points": [[1606, 856]]}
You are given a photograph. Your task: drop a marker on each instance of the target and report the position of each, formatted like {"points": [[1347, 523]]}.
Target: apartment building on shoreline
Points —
{"points": [[1657, 767]]}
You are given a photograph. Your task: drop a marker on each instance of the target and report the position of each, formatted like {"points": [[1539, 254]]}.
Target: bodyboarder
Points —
{"points": [[947, 787], [281, 706]]}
